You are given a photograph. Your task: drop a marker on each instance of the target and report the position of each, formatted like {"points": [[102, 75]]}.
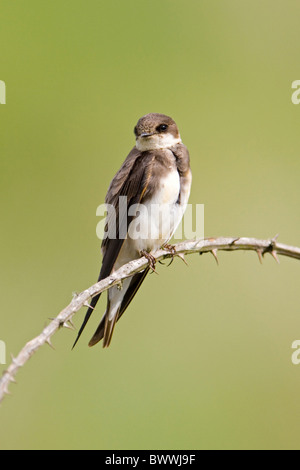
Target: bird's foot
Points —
{"points": [[170, 248], [173, 252], [151, 260]]}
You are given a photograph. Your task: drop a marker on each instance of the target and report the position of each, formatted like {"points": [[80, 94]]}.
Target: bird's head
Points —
{"points": [[156, 131]]}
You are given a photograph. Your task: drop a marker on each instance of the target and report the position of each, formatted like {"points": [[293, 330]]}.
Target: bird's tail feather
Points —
{"points": [[109, 329], [87, 317], [106, 327]]}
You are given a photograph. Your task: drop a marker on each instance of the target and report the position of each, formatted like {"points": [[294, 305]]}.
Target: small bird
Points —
{"points": [[156, 179]]}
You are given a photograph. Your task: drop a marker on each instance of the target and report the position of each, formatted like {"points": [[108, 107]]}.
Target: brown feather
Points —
{"points": [[132, 181]]}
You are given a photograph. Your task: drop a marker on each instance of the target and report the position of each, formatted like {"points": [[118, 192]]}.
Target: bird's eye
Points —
{"points": [[135, 130], [162, 128]]}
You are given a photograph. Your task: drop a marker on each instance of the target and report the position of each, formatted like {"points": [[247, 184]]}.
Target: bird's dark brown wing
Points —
{"points": [[131, 181]]}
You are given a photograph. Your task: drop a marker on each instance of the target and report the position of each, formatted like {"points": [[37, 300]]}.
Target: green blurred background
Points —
{"points": [[202, 359]]}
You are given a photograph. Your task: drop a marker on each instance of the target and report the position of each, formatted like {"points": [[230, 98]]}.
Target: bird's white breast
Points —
{"points": [[158, 217], [168, 190]]}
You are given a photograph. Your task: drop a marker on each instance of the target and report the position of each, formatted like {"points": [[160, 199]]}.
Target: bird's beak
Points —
{"points": [[146, 134]]}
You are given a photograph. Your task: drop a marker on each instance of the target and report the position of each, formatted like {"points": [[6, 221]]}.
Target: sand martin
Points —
{"points": [[155, 182]]}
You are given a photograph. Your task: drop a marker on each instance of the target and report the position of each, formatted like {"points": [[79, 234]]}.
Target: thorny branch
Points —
{"points": [[64, 319]]}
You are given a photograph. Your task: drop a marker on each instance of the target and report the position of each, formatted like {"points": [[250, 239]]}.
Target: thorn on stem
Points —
{"points": [[181, 256], [274, 254], [49, 343], [86, 304], [272, 248], [214, 253], [68, 326], [260, 255], [71, 324], [12, 379], [10, 375]]}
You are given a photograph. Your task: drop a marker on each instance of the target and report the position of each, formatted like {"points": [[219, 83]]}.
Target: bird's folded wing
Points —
{"points": [[129, 186]]}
